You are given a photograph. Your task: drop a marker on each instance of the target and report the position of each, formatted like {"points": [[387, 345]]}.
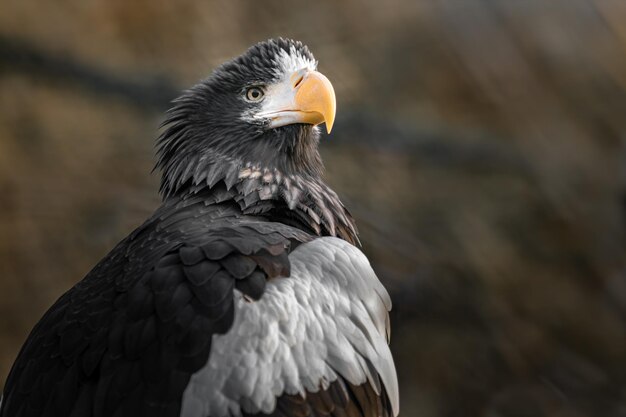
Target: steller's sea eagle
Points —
{"points": [[243, 294]]}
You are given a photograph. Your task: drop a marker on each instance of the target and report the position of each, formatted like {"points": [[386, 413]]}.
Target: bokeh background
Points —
{"points": [[481, 144]]}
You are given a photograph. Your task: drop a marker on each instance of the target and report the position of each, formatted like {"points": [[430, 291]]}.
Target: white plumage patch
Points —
{"points": [[292, 61], [328, 318]]}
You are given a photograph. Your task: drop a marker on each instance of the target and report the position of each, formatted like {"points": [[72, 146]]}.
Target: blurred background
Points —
{"points": [[481, 144]]}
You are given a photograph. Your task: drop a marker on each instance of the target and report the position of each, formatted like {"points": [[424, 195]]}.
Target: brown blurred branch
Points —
{"points": [[151, 93]]}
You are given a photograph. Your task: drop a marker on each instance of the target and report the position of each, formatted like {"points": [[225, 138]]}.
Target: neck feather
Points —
{"points": [[303, 200]]}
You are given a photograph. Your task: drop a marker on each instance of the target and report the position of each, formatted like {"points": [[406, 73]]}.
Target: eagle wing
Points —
{"points": [[196, 317]]}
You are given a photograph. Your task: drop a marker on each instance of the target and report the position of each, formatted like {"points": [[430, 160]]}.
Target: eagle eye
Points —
{"points": [[254, 94]]}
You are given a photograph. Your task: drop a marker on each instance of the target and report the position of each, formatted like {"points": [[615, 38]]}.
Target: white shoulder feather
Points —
{"points": [[329, 317]]}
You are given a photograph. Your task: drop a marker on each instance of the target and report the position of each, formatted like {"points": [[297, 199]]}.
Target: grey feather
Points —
{"points": [[329, 318]]}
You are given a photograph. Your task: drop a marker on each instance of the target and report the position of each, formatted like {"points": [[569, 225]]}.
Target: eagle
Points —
{"points": [[244, 294]]}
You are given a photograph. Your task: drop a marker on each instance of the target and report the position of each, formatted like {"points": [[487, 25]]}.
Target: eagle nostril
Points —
{"points": [[298, 81]]}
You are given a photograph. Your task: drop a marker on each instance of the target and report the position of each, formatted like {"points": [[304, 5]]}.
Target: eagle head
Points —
{"points": [[260, 109]]}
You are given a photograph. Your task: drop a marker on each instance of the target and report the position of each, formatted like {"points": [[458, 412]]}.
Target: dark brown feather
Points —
{"points": [[339, 399]]}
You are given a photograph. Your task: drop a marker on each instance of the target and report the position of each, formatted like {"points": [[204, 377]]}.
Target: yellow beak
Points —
{"points": [[304, 97], [315, 100]]}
